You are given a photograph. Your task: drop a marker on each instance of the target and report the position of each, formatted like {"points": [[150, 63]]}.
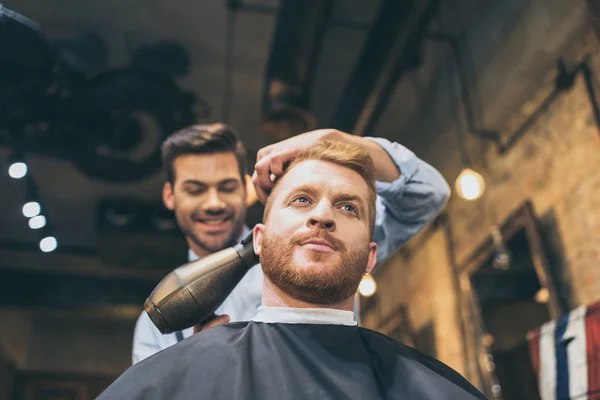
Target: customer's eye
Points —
{"points": [[301, 199], [350, 208]]}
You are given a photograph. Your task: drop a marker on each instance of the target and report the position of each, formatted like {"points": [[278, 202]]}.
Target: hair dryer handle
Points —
{"points": [[191, 294]]}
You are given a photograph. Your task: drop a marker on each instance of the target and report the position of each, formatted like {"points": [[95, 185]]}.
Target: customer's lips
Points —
{"points": [[320, 245]]}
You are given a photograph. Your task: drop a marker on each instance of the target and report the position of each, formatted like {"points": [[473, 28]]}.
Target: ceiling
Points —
{"points": [[70, 197]]}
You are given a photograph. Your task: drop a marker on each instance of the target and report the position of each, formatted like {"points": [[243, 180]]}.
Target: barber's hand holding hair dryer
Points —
{"points": [[191, 294]]}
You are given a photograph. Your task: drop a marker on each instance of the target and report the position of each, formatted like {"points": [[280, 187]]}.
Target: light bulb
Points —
{"points": [[31, 209], [37, 222], [48, 244], [367, 287], [17, 170], [470, 185], [542, 296]]}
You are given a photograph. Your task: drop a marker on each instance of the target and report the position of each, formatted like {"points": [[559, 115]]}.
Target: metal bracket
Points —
{"points": [[564, 82]]}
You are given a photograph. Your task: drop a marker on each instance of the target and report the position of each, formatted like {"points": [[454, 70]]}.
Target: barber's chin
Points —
{"points": [[214, 228]]}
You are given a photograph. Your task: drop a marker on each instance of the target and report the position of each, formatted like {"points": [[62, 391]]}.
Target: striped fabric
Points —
{"points": [[566, 355]]}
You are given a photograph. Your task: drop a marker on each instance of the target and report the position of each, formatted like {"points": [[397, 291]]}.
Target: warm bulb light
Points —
{"points": [[17, 170], [367, 287], [542, 296], [470, 185]]}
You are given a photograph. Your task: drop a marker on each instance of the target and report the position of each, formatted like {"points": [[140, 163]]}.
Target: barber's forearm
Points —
{"points": [[385, 168]]}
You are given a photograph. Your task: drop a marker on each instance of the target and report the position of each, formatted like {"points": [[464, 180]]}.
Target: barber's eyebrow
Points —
{"points": [[200, 183]]}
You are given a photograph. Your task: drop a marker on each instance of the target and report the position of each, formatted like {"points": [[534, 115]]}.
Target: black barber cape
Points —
{"points": [[275, 361]]}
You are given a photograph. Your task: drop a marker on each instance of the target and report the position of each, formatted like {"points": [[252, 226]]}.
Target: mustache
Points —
{"points": [[335, 243], [211, 213]]}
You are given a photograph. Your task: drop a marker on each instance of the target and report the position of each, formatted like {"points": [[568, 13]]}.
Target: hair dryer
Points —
{"points": [[190, 294]]}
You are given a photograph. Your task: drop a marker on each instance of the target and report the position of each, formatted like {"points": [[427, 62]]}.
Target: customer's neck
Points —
{"points": [[273, 296]]}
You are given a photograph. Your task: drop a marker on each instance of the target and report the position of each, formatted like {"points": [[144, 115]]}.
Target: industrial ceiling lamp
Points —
{"points": [[469, 184]]}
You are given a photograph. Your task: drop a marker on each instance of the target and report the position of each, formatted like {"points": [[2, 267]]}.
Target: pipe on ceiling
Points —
{"points": [[299, 31], [391, 49]]}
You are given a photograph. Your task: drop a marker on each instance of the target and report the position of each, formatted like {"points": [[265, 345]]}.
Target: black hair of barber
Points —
{"points": [[203, 139]]}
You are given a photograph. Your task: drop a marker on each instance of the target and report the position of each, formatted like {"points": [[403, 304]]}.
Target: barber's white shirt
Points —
{"points": [[241, 305]]}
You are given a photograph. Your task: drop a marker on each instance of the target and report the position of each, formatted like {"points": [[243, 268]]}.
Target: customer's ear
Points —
{"points": [[372, 260], [257, 238]]}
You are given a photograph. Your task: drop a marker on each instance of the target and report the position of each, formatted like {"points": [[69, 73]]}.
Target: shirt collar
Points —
{"points": [[319, 316], [193, 256]]}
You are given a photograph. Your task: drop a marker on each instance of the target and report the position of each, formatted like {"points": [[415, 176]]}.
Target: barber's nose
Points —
{"points": [[322, 217], [213, 201]]}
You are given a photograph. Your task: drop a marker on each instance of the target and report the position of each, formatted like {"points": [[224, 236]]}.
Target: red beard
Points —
{"points": [[314, 286]]}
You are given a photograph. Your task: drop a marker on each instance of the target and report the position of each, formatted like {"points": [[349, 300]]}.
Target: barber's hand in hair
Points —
{"points": [[215, 321], [271, 160]]}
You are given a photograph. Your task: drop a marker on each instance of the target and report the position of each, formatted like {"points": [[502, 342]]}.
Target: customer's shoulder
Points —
{"points": [[389, 351], [220, 334], [199, 345]]}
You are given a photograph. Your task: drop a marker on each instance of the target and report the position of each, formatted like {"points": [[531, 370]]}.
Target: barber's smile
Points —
{"points": [[214, 225], [318, 245]]}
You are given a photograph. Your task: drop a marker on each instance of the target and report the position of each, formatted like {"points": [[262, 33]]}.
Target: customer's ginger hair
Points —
{"points": [[346, 155]]}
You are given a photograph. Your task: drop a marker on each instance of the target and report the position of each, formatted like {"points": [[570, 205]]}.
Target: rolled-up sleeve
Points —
{"points": [[406, 205]]}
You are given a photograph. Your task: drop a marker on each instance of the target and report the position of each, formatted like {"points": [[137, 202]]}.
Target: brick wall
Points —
{"points": [[555, 165]]}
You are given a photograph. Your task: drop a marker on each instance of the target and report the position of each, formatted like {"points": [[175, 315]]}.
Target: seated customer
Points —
{"points": [[314, 247]]}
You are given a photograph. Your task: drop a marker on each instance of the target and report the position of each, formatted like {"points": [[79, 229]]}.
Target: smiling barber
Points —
{"points": [[206, 189]]}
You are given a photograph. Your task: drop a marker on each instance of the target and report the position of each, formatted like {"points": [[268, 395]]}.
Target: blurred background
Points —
{"points": [[500, 96]]}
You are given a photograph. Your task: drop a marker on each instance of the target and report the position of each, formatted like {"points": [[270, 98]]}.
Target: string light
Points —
{"points": [[48, 244], [31, 209], [17, 170], [37, 222]]}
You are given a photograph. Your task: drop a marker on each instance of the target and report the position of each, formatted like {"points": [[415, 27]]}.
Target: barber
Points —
{"points": [[206, 188]]}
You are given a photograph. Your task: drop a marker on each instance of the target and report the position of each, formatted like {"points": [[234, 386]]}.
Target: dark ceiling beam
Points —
{"points": [[65, 263], [34, 289], [297, 40], [593, 7], [111, 312], [391, 49]]}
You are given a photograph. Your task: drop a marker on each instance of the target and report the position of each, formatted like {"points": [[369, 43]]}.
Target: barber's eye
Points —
{"points": [[229, 189], [194, 191]]}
